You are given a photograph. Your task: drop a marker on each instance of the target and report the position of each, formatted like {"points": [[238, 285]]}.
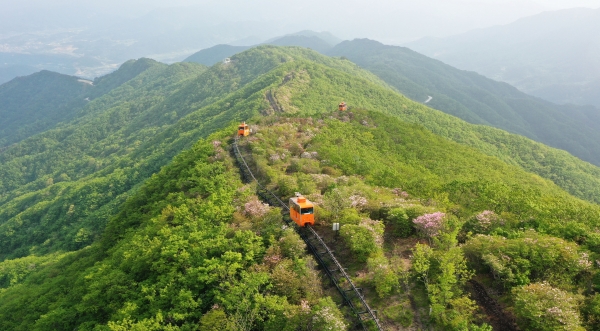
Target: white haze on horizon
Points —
{"points": [[389, 21]]}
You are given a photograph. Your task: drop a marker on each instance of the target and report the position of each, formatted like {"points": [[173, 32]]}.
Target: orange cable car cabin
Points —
{"points": [[302, 211], [342, 106], [243, 129]]}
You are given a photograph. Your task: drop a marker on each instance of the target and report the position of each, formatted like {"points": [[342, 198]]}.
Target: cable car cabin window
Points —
{"points": [[294, 207], [307, 211]]}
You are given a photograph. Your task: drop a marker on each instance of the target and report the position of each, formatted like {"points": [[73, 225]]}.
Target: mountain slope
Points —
{"points": [[187, 240], [551, 55], [36, 103], [59, 188], [177, 241], [225, 264], [479, 100], [78, 170], [76, 175]]}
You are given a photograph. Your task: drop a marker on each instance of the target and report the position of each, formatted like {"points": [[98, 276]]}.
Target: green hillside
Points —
{"points": [[477, 99], [118, 144], [134, 217], [172, 259], [378, 185], [482, 101], [193, 247], [77, 174], [33, 104], [38, 102]]}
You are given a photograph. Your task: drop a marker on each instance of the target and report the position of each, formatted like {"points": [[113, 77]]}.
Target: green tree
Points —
{"points": [[539, 306], [360, 240], [384, 277]]}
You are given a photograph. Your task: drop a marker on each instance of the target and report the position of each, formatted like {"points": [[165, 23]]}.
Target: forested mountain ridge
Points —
{"points": [[79, 168], [141, 134], [189, 246], [78, 173], [33, 104], [320, 42], [38, 102], [466, 95], [193, 247], [552, 55], [479, 100]]}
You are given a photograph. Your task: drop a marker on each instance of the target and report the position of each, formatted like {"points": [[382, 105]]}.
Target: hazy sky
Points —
{"points": [[390, 21]]}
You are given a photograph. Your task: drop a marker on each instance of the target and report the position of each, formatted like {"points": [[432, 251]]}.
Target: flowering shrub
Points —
{"points": [[327, 316], [357, 201], [533, 257], [486, 220], [274, 158], [376, 227], [398, 191], [430, 224], [255, 208]]}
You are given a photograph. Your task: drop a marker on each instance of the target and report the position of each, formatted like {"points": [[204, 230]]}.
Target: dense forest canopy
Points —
{"points": [[133, 214]]}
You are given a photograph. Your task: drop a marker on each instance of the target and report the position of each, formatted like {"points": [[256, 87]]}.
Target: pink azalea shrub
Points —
{"points": [[255, 208], [485, 220], [430, 224], [398, 191]]}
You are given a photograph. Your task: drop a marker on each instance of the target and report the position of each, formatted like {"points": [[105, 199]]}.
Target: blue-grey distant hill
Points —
{"points": [[318, 41], [312, 42], [8, 72], [478, 99], [552, 55], [325, 36], [215, 54]]}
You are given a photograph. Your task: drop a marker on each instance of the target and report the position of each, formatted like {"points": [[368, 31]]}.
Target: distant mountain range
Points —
{"points": [[131, 212], [464, 94], [478, 99], [318, 41], [553, 55]]}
